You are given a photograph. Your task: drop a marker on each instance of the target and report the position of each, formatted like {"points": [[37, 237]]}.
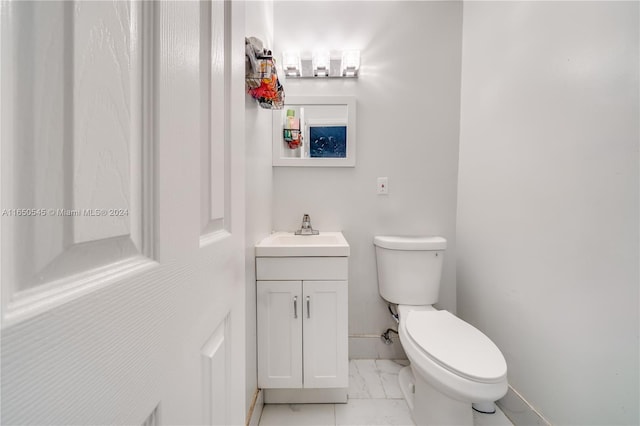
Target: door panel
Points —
{"points": [[215, 362], [72, 143], [279, 316], [215, 100], [325, 325]]}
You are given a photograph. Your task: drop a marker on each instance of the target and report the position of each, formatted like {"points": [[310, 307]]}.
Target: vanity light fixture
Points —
{"points": [[321, 64], [350, 63], [292, 64]]}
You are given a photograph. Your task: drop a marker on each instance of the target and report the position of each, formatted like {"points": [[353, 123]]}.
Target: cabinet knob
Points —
{"points": [[308, 307], [295, 306]]}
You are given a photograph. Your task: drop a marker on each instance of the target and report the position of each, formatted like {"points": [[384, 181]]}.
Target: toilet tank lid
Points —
{"points": [[410, 243]]}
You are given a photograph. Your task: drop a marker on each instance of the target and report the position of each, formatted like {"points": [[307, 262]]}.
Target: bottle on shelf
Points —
{"points": [[292, 130]]}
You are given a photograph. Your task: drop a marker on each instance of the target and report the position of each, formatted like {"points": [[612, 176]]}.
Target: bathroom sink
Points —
{"points": [[287, 244]]}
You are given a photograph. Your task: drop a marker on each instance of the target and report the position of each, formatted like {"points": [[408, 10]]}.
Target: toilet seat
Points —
{"points": [[456, 346]]}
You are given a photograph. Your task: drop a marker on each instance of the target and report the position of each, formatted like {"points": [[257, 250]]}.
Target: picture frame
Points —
{"points": [[326, 138]]}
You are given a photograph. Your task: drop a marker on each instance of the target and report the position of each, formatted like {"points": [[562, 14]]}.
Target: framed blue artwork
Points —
{"points": [[328, 141]]}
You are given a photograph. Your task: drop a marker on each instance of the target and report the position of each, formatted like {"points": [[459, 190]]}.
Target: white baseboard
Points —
{"points": [[256, 409], [372, 347], [305, 396], [519, 411]]}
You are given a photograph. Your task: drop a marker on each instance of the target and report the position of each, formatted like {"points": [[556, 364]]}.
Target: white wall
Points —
{"points": [[407, 129], [548, 201], [259, 182]]}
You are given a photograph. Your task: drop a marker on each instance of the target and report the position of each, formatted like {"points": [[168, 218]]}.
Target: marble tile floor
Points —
{"points": [[374, 399]]}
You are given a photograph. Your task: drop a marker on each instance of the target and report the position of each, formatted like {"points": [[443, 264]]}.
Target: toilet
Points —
{"points": [[453, 365]]}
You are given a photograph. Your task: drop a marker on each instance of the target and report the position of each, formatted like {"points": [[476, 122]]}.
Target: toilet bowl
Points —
{"points": [[452, 364]]}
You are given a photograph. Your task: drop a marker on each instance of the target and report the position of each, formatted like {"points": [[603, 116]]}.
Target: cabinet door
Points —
{"points": [[279, 334], [326, 359]]}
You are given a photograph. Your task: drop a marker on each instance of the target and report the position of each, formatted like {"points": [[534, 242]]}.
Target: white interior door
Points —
{"points": [[122, 164]]}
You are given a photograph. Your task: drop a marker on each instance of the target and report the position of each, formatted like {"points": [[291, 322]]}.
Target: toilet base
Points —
{"points": [[429, 406], [407, 385], [484, 407]]}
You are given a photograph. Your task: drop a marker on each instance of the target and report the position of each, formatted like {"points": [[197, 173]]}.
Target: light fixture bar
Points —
{"points": [[320, 64]]}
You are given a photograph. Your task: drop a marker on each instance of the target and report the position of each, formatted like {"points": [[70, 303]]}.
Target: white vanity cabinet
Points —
{"points": [[302, 329]]}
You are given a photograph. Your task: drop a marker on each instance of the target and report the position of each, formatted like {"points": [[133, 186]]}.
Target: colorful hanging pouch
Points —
{"points": [[261, 76]]}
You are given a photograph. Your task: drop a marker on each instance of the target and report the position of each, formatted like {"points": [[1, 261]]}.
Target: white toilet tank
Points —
{"points": [[409, 268]]}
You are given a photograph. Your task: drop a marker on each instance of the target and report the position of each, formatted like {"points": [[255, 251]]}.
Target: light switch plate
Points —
{"points": [[383, 186]]}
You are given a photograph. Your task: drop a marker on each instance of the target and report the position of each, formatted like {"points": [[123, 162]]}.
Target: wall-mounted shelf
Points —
{"points": [[328, 128]]}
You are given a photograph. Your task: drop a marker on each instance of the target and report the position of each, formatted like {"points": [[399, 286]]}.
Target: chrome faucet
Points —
{"points": [[306, 228]]}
